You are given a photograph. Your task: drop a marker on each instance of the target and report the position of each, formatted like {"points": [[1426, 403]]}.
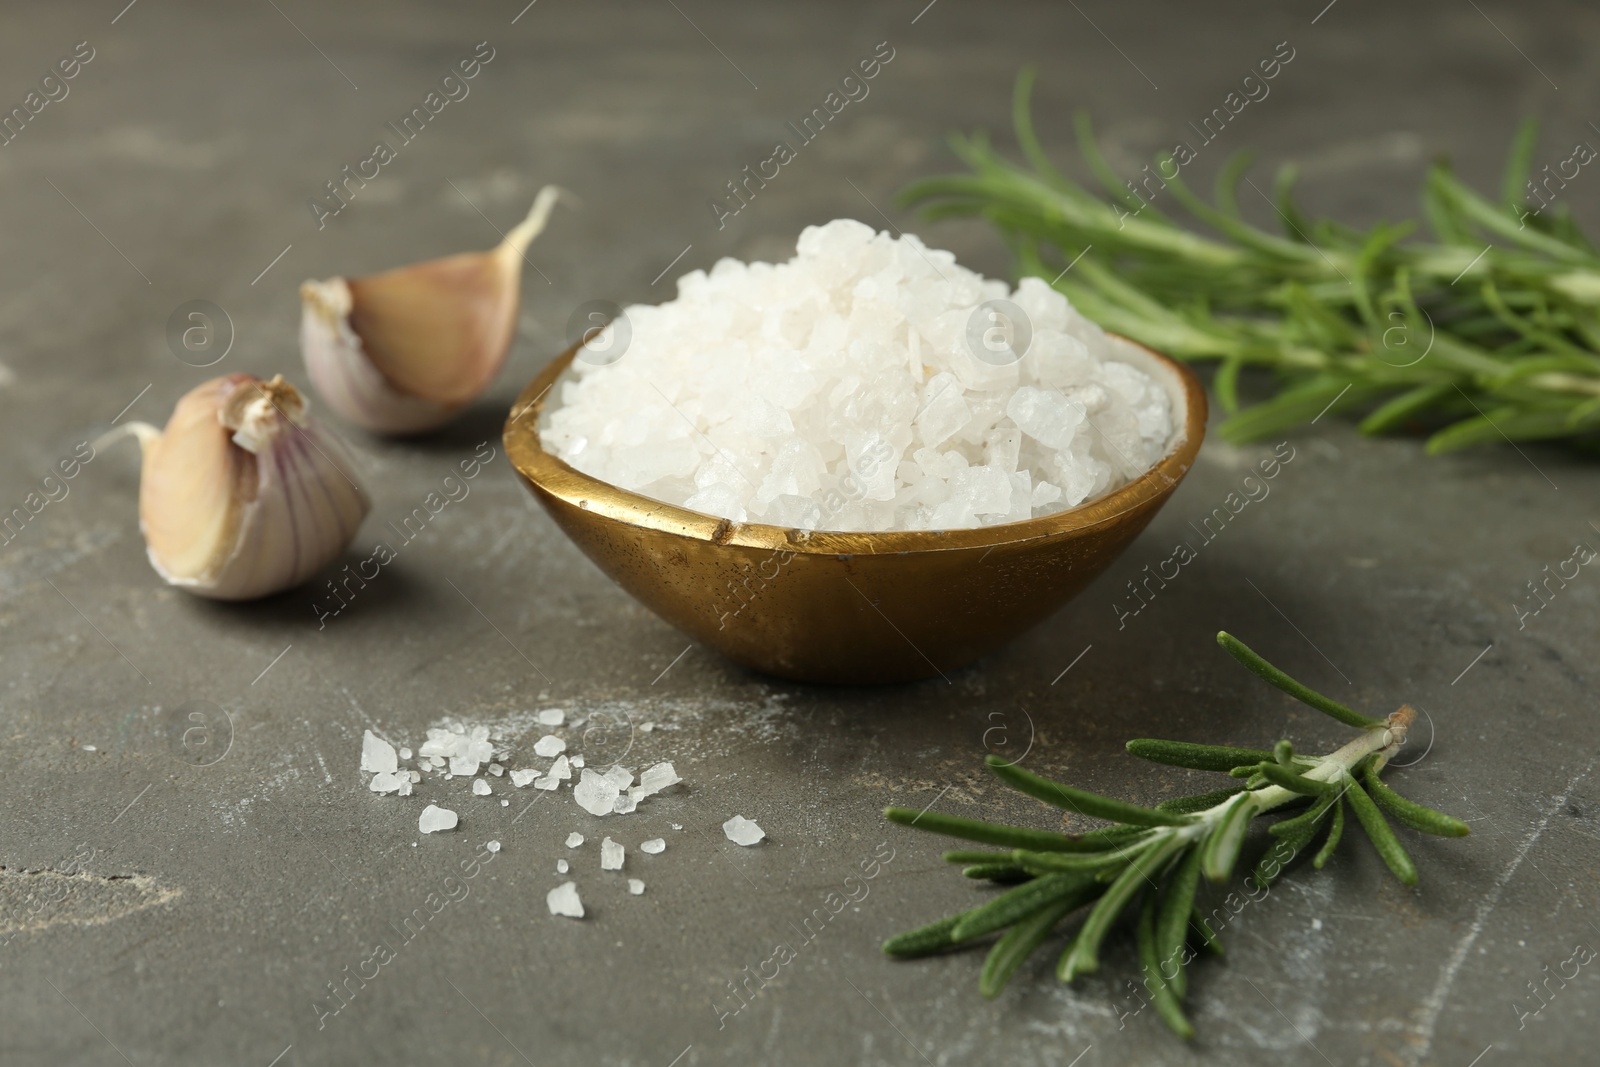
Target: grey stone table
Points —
{"points": [[167, 906]]}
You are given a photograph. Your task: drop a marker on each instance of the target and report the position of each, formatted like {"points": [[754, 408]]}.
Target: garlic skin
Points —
{"points": [[243, 495], [403, 351]]}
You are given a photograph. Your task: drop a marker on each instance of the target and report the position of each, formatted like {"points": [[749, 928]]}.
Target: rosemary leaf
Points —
{"points": [[1409, 812], [1295, 783], [1273, 676], [1335, 832], [997, 872], [1083, 954], [1221, 848], [1015, 904], [1172, 922], [986, 832], [1162, 994], [1380, 833], [1197, 757], [1199, 802], [1019, 943], [1079, 800], [924, 940]]}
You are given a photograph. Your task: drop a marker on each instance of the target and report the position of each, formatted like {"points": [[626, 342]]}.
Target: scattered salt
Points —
{"points": [[561, 768], [504, 803], [595, 793], [647, 727], [657, 778], [563, 900], [610, 855], [742, 831], [619, 775], [552, 717], [869, 383], [677, 826], [434, 819], [636, 887], [625, 804], [655, 846], [415, 776], [548, 782], [577, 761], [88, 748], [384, 782], [496, 769], [377, 754], [562, 866], [480, 787], [405, 753], [522, 778], [549, 745], [574, 839], [493, 846]]}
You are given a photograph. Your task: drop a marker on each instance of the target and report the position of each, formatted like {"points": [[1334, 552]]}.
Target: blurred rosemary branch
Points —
{"points": [[1149, 861], [1489, 331]]}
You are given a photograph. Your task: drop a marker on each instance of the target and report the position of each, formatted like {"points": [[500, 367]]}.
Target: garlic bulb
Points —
{"points": [[403, 351], [243, 495]]}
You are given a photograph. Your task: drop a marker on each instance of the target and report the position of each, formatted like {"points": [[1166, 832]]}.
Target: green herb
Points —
{"points": [[1488, 332], [1155, 856]]}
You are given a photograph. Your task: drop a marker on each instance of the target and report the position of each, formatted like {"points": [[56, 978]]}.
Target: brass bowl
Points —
{"points": [[849, 607]]}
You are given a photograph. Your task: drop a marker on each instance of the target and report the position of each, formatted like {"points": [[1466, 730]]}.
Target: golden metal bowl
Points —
{"points": [[849, 607]]}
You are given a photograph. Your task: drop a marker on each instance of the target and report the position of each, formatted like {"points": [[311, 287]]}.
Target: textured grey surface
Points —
{"points": [[191, 142]]}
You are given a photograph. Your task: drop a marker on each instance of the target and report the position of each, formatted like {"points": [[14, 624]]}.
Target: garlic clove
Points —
{"points": [[243, 494], [404, 350]]}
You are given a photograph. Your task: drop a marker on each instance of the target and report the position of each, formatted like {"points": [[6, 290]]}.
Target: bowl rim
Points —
{"points": [[555, 478]]}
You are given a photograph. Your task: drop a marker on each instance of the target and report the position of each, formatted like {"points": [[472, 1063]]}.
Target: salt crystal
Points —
{"points": [[577, 761], [868, 362], [549, 745], [496, 769], [88, 748], [405, 788], [636, 886], [563, 900], [522, 778], [595, 793], [551, 717], [504, 803], [377, 754], [620, 776], [625, 803], [647, 727], [415, 776], [574, 839], [677, 826], [562, 866], [548, 782], [610, 855], [742, 831], [383, 782], [434, 819], [562, 768], [405, 753], [657, 778], [463, 766], [480, 787], [493, 846], [655, 846]]}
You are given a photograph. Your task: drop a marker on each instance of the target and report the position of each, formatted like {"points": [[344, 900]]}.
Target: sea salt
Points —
{"points": [[377, 754], [405, 753], [866, 384], [620, 776], [595, 793], [522, 778], [742, 831], [384, 782], [552, 717], [549, 745], [496, 770], [562, 768], [493, 846], [655, 846], [434, 819], [577, 761], [480, 787], [657, 778], [574, 839], [562, 866], [636, 887], [563, 900], [610, 855]]}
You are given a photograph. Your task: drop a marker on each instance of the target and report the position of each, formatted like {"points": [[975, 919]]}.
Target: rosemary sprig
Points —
{"points": [[1155, 857], [1489, 331]]}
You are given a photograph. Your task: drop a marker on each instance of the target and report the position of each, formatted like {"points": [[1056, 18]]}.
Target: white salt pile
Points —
{"points": [[742, 831], [563, 900], [867, 384]]}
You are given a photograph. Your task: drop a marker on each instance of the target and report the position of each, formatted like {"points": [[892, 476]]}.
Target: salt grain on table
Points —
{"points": [[377, 754], [562, 866], [636, 887], [625, 804], [563, 900], [655, 846], [496, 769], [619, 775], [522, 778], [743, 831], [405, 753], [577, 761], [595, 793], [574, 839], [434, 819], [493, 846], [657, 778], [610, 855], [384, 782], [480, 787], [562, 768], [549, 745], [552, 717]]}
